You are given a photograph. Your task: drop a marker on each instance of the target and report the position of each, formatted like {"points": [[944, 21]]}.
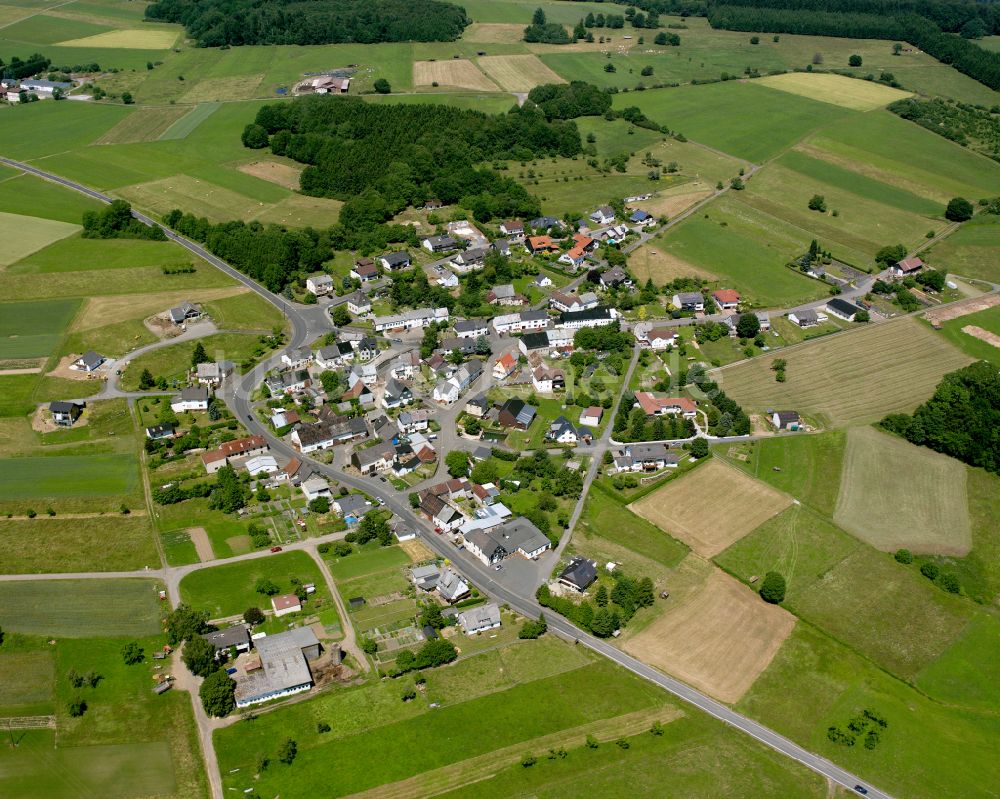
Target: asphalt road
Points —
{"points": [[521, 598]]}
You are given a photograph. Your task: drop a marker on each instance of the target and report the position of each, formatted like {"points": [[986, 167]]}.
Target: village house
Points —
{"points": [[764, 319], [661, 338], [594, 317], [534, 344], [579, 574], [478, 406], [650, 457], [655, 405], [786, 420], [512, 228], [443, 516], [158, 432], [480, 619], [365, 270], [406, 366], [90, 361], [516, 413], [504, 295], [297, 357], [504, 365], [471, 328], [394, 261], [451, 586], [906, 268], [563, 431], [465, 346], [615, 276], [806, 318], [192, 398], [515, 536], [214, 374], [183, 313], [228, 639], [320, 285], [642, 219], [591, 417], [689, 301], [289, 382], [541, 281], [545, 223], [261, 464], [546, 380], [213, 460], [396, 394], [315, 487], [439, 244], [353, 505], [468, 259], [65, 414], [726, 299], [358, 303], [604, 215], [411, 320], [539, 245], [413, 421]]}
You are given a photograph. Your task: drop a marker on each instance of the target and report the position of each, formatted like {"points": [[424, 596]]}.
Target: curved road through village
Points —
{"points": [[514, 585]]}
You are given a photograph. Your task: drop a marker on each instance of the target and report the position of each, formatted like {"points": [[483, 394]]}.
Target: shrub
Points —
{"points": [[959, 210], [949, 582], [930, 571], [772, 590], [854, 61], [904, 556]]}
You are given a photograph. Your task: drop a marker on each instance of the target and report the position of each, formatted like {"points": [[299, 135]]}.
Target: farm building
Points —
{"points": [[842, 309], [516, 413], [231, 637], [283, 604], [279, 668], [515, 536], [907, 267], [785, 420], [591, 416]]}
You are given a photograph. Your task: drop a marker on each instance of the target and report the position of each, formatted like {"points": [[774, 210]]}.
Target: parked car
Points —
{"points": [[276, 549]]}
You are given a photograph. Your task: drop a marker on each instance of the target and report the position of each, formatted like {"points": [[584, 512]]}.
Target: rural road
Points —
{"points": [[521, 597]]}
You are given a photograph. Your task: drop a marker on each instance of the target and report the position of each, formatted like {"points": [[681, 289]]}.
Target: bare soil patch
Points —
{"points": [[983, 335], [963, 308], [652, 261], [719, 640], [455, 72], [102, 311], [240, 544], [493, 33], [518, 73], [201, 543], [274, 172], [416, 550], [41, 421], [711, 508], [672, 205]]}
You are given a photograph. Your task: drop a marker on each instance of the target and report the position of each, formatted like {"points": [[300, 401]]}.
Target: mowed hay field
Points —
{"points": [[146, 124], [80, 608], [34, 329], [719, 640], [894, 495], [856, 377], [131, 39], [518, 73], [858, 95], [23, 235], [455, 72], [711, 508]]}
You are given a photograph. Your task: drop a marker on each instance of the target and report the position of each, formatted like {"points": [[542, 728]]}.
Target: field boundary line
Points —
{"points": [[482, 767]]}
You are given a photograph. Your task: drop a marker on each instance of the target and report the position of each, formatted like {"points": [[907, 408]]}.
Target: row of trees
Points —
{"points": [[216, 23], [381, 158], [963, 123], [961, 419], [613, 610]]}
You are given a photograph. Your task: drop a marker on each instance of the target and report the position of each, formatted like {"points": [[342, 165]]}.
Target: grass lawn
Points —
{"points": [[26, 194], [228, 590], [174, 362], [807, 467], [968, 672], [928, 750], [108, 543], [27, 676], [970, 251], [503, 718], [83, 255], [746, 120], [81, 608], [245, 311], [50, 128], [366, 561], [34, 329], [179, 548], [69, 475], [856, 377], [747, 249], [606, 517], [23, 235]]}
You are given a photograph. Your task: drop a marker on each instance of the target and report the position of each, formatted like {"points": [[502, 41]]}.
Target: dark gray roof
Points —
{"points": [[843, 306], [396, 258], [535, 341], [600, 312], [231, 636], [579, 572]]}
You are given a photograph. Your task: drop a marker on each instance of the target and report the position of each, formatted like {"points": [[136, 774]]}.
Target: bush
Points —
{"points": [[77, 707], [218, 694], [817, 203], [949, 582], [266, 586], [287, 751], [382, 86], [930, 571], [253, 616], [132, 653], [903, 556], [959, 210], [772, 590], [854, 61]]}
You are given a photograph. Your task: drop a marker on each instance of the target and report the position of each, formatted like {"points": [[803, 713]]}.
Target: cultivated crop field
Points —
{"points": [[718, 640], [894, 494], [127, 39], [68, 475], [461, 73], [855, 377], [858, 95], [88, 543], [145, 124], [711, 508], [518, 73], [34, 329], [81, 608]]}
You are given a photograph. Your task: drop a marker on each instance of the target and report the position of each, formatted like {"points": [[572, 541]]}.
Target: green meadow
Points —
{"points": [[971, 250], [34, 329], [68, 475]]}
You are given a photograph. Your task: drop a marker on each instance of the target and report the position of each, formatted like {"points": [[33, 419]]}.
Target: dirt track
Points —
{"points": [[964, 308]]}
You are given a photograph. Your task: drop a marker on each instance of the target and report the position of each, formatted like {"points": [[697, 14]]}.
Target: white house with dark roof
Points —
{"points": [[90, 361], [183, 313], [320, 285], [480, 619], [471, 328], [192, 398], [358, 303], [394, 261]]}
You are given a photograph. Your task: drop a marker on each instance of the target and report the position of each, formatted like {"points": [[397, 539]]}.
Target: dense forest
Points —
{"points": [[968, 125], [214, 23], [940, 28], [570, 100], [962, 419], [380, 159]]}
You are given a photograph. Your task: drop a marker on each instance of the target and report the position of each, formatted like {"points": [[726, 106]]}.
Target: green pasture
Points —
{"points": [[108, 543], [487, 103], [929, 749], [27, 676], [975, 347], [747, 250], [520, 11], [188, 123], [970, 251], [44, 129], [81, 608], [228, 590], [806, 466], [366, 561], [901, 153], [34, 329], [43, 29], [68, 475], [23, 235], [174, 362], [742, 119], [28, 194], [967, 673], [247, 311], [77, 254]]}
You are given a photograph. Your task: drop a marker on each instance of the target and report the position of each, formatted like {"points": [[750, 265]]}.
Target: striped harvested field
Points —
{"points": [[859, 95], [518, 73], [458, 72], [144, 124], [852, 378]]}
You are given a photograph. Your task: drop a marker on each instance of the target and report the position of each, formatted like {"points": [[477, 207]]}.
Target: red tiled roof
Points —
{"points": [[652, 404], [285, 601], [726, 295], [235, 448]]}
